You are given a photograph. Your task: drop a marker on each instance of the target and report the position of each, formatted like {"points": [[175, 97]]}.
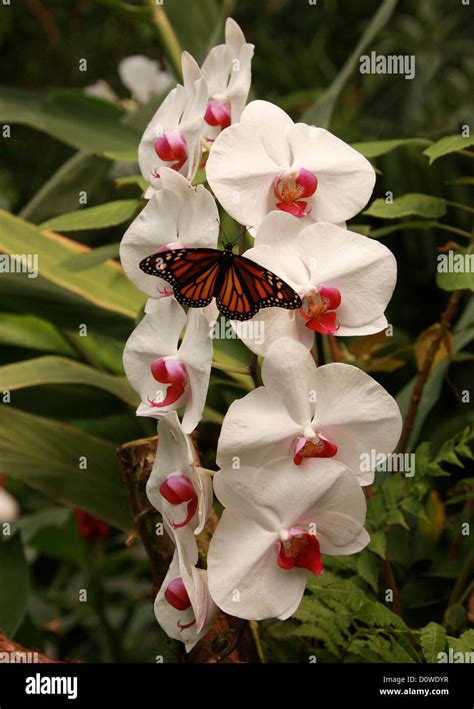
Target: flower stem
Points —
{"points": [[171, 45], [443, 329]]}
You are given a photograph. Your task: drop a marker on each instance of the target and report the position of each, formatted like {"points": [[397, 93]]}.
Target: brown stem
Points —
{"points": [[11, 652], [423, 374], [136, 461]]}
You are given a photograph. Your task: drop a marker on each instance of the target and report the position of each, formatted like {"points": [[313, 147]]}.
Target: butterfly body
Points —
{"points": [[241, 286]]}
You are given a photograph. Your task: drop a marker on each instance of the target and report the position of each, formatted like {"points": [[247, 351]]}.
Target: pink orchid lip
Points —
{"points": [[290, 186], [169, 371], [300, 549], [318, 447], [177, 595], [318, 310], [218, 113], [178, 489], [171, 147]]}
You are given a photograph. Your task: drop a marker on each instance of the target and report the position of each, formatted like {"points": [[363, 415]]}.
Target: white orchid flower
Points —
{"points": [[173, 136], [267, 162], [177, 487], [143, 77], [9, 509], [345, 280], [177, 216], [279, 519], [227, 71], [183, 606], [306, 412], [165, 374]]}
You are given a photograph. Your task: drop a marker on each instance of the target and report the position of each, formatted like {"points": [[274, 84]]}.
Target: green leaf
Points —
{"points": [[78, 120], [60, 193], [396, 517], [42, 371], [375, 148], [82, 262], [448, 144], [453, 261], [468, 638], [30, 332], [433, 641], [132, 180], [462, 645], [105, 285], [422, 205], [368, 567], [14, 587], [455, 616], [378, 543], [195, 27], [101, 217], [46, 454], [321, 111], [56, 534]]}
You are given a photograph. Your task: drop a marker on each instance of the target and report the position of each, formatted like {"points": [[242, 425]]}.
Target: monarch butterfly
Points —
{"points": [[241, 286]]}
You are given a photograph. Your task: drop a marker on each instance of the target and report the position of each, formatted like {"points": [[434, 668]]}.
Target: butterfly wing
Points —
{"points": [[193, 273], [247, 287]]}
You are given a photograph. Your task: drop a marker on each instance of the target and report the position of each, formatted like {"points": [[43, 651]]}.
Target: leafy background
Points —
{"points": [[69, 397]]}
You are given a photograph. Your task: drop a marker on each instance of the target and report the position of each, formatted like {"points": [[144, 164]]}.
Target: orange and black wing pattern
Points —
{"points": [[193, 273], [246, 287], [241, 286]]}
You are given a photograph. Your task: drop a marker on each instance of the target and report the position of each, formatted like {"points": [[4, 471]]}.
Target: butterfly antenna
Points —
{"points": [[226, 238]]}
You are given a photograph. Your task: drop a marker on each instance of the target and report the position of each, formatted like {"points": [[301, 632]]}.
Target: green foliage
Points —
{"points": [[14, 586], [420, 205], [105, 215], [69, 397]]}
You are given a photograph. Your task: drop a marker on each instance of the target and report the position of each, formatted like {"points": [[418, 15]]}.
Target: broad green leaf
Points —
{"points": [[76, 119], [60, 193], [84, 261], [321, 111], [100, 217], [132, 180], [46, 455], [195, 27], [32, 333], [14, 586], [455, 616], [375, 148], [421, 205], [448, 144], [53, 531], [457, 272], [105, 285], [42, 371], [433, 641], [122, 155]]}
